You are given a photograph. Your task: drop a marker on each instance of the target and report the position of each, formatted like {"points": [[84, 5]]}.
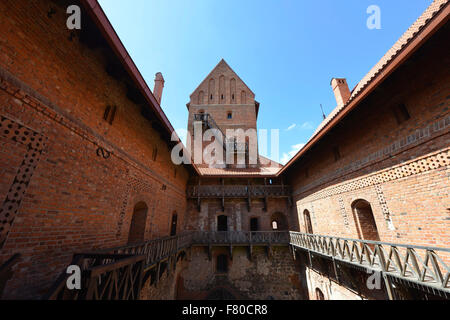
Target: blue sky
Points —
{"points": [[286, 51]]}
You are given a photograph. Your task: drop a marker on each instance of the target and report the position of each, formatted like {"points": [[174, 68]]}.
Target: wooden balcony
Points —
{"points": [[239, 191]]}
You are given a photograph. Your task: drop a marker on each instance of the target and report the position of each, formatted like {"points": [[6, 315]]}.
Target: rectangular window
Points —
{"points": [[230, 115]]}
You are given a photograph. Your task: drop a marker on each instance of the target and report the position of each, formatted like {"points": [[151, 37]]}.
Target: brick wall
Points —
{"points": [[260, 278], [69, 181]]}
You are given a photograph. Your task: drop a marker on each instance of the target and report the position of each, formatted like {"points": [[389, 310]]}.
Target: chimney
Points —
{"points": [[341, 91], [159, 85]]}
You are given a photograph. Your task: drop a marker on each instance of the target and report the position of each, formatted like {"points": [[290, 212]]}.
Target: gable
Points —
{"points": [[222, 86]]}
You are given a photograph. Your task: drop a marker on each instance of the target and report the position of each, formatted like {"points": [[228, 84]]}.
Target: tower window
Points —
{"points": [[232, 96], [229, 115], [401, 113], [221, 97], [211, 97]]}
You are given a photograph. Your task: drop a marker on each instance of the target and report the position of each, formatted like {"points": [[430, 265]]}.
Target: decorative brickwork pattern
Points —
{"points": [[417, 166], [35, 144], [419, 135], [343, 212]]}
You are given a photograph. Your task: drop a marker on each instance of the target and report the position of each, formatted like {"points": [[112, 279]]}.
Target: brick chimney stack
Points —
{"points": [[341, 91], [159, 85]]}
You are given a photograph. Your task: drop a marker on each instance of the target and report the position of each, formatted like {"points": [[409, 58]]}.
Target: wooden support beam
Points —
{"points": [[231, 252]]}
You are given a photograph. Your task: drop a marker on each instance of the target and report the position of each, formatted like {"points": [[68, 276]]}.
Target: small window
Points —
{"points": [[270, 181], [274, 225], [211, 97], [109, 114], [401, 113], [221, 97], [337, 154], [155, 153], [222, 263], [229, 115], [232, 96], [106, 114]]}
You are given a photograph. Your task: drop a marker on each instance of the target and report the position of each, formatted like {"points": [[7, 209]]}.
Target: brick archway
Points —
{"points": [[364, 220], [138, 222]]}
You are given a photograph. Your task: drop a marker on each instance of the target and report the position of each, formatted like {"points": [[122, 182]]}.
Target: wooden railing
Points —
{"points": [[427, 266], [240, 237], [156, 250], [239, 191], [117, 273], [103, 277]]}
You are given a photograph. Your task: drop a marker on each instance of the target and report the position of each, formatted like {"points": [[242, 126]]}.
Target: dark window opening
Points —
{"points": [[221, 97], [155, 153], [173, 226], [222, 263], [106, 114], [229, 115], [110, 113], [232, 96], [254, 225], [222, 223], [211, 97], [337, 154], [401, 113]]}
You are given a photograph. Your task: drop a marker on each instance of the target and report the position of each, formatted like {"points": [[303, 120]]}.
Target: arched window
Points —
{"points": [[173, 225], [274, 225], [233, 90], [319, 294], [222, 89], [364, 220], [222, 223], [279, 220], [138, 221], [222, 263], [243, 97], [201, 96], [308, 224], [211, 88]]}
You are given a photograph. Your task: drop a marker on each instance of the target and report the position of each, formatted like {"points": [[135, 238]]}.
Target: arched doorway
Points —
{"points": [[319, 294], [364, 220], [222, 223], [173, 225], [279, 222], [308, 223], [138, 221]]}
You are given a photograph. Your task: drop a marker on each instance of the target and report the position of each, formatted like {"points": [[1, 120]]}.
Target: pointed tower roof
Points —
{"points": [[226, 65]]}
